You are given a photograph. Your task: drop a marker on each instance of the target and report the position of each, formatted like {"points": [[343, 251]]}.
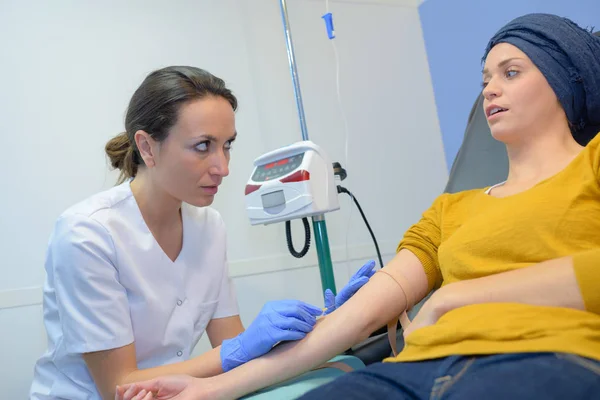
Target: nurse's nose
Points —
{"points": [[220, 164]]}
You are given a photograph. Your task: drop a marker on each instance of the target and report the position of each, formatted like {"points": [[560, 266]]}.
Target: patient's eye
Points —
{"points": [[511, 73]]}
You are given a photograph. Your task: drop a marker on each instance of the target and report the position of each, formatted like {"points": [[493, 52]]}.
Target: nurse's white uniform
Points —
{"points": [[109, 284]]}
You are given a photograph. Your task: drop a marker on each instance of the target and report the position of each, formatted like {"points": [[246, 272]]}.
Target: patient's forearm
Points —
{"points": [[378, 302], [551, 283]]}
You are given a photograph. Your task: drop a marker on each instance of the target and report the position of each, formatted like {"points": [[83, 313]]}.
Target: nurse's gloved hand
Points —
{"points": [[278, 321], [357, 281]]}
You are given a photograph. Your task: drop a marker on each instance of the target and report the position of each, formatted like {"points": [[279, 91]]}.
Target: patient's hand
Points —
{"points": [[433, 309], [176, 387]]}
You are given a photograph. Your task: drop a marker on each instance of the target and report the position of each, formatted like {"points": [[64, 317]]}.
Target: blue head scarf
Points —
{"points": [[569, 57]]}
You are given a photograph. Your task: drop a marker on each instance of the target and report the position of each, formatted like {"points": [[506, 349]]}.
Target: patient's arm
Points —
{"points": [[551, 283], [377, 303], [569, 282]]}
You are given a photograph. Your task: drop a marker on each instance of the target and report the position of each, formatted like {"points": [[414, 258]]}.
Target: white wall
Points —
{"points": [[68, 69]]}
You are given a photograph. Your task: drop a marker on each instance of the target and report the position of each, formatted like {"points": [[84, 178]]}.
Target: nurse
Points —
{"points": [[136, 274]]}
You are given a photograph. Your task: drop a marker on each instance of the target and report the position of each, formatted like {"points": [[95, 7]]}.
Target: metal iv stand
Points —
{"points": [[318, 221]]}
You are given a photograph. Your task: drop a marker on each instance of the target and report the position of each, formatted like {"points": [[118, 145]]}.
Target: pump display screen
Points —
{"points": [[277, 169], [273, 199]]}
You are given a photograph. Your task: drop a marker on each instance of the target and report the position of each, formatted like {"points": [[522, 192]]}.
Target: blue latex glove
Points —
{"points": [[356, 282], [278, 321]]}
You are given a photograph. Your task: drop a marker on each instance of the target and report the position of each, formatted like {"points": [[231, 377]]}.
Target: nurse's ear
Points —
{"points": [[147, 147]]}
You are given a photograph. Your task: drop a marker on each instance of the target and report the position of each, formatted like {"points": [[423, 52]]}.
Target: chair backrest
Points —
{"points": [[481, 160]]}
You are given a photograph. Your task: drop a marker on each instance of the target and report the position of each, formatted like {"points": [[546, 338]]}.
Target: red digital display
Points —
{"points": [[277, 163]]}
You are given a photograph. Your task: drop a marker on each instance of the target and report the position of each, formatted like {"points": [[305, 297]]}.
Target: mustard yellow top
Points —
{"points": [[471, 234]]}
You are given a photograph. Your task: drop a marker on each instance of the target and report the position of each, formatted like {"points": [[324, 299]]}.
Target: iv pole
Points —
{"points": [[318, 221]]}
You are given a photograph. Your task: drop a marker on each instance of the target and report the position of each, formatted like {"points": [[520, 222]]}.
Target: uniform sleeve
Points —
{"points": [[227, 305], [423, 239], [92, 304]]}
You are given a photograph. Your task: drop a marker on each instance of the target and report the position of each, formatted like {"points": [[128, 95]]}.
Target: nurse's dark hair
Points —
{"points": [[154, 108]]}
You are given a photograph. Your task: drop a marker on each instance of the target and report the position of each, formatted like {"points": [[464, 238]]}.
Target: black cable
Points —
{"points": [[290, 244], [342, 189]]}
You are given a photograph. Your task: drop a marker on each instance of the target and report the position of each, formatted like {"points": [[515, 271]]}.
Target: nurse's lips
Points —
{"points": [[210, 189]]}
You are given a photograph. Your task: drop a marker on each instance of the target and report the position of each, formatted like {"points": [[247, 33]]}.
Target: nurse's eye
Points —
{"points": [[229, 144], [202, 147]]}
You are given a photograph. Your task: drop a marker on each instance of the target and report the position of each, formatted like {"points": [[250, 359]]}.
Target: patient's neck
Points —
{"points": [[532, 161]]}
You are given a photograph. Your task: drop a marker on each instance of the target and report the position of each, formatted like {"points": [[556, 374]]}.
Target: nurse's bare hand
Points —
{"points": [[176, 387]]}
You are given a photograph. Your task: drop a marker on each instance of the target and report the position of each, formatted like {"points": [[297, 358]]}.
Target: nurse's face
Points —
{"points": [[515, 86], [192, 161]]}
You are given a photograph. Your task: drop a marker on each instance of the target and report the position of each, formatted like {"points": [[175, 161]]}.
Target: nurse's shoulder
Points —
{"points": [[87, 220]]}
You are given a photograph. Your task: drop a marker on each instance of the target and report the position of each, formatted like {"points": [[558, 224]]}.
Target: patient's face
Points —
{"points": [[527, 103]]}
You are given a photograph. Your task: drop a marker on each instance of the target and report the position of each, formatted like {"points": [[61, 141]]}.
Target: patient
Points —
{"points": [[518, 264]]}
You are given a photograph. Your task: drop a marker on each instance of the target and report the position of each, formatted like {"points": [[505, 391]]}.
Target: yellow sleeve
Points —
{"points": [[423, 240], [587, 272], [587, 263], [594, 155]]}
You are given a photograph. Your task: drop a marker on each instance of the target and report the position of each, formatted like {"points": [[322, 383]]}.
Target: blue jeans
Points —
{"points": [[503, 376]]}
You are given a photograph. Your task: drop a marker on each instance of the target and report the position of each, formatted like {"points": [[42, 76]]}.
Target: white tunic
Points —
{"points": [[109, 284]]}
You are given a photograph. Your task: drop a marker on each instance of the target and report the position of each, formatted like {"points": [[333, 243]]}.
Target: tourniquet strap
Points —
{"points": [[404, 320]]}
